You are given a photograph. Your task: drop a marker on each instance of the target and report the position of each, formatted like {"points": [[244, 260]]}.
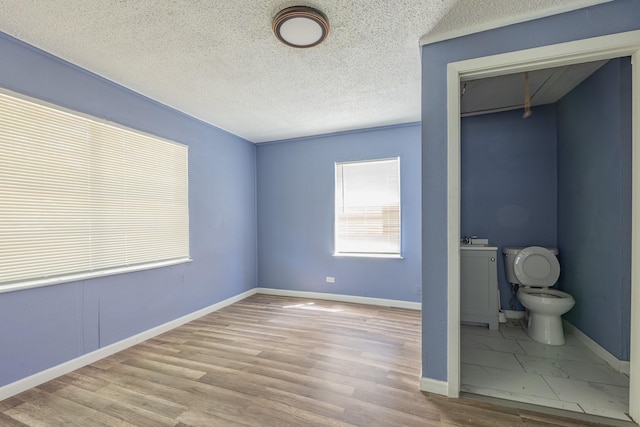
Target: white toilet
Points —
{"points": [[535, 269]]}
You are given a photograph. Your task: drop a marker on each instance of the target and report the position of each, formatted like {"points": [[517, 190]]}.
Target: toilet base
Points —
{"points": [[544, 328]]}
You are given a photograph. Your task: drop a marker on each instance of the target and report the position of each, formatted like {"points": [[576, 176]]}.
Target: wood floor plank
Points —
{"points": [[7, 421], [137, 416], [195, 418], [144, 401], [10, 403], [265, 361], [50, 410], [166, 368]]}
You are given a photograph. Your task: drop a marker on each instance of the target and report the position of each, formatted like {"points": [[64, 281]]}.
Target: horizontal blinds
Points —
{"points": [[79, 195], [367, 216]]}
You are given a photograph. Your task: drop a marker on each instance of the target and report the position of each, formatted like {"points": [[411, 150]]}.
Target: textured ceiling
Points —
{"points": [[217, 60]]}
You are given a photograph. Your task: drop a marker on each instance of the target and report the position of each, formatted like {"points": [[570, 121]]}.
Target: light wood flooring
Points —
{"points": [[265, 361]]}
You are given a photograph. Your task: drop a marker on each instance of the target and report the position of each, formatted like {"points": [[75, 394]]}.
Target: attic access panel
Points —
{"points": [[503, 93]]}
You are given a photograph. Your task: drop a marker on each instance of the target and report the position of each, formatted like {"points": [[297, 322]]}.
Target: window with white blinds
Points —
{"points": [[80, 197], [367, 208]]}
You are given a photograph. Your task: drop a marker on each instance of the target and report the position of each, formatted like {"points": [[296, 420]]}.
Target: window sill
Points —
{"points": [[366, 255], [10, 287]]}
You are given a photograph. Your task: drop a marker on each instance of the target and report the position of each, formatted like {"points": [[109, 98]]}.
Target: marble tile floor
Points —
{"points": [[507, 364]]}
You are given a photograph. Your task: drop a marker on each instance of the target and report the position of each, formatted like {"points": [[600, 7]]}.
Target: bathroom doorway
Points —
{"points": [[541, 180], [602, 48]]}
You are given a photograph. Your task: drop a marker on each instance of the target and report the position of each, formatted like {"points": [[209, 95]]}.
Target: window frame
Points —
{"points": [[372, 254]]}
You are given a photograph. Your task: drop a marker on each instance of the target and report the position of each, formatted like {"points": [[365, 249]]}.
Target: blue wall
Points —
{"points": [[594, 204], [46, 326], [296, 211], [608, 18], [508, 182]]}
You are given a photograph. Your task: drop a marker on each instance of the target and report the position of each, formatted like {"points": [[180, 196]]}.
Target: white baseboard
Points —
{"points": [[48, 374], [434, 386], [513, 314], [621, 366], [342, 298]]}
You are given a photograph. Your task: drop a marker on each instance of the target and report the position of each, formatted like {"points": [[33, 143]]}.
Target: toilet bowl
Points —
{"points": [[535, 269]]}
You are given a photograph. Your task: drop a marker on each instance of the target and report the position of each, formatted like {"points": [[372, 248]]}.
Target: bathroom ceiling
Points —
{"points": [[218, 61], [507, 92]]}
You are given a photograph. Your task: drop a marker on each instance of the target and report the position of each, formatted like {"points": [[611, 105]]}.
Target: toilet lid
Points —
{"points": [[536, 266]]}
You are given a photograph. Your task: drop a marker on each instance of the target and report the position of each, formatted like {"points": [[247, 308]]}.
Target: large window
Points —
{"points": [[367, 208], [80, 197]]}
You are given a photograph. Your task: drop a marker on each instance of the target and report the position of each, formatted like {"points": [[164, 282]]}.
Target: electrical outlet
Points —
{"points": [[418, 289], [331, 279]]}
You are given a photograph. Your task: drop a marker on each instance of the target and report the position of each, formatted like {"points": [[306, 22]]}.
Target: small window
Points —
{"points": [[367, 208]]}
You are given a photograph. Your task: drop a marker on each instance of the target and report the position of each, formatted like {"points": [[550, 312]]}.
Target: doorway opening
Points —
{"points": [[582, 51]]}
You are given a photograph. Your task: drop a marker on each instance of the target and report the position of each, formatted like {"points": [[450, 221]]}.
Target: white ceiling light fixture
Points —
{"points": [[301, 26]]}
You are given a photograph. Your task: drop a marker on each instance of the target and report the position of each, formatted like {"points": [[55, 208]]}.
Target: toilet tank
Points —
{"points": [[510, 253]]}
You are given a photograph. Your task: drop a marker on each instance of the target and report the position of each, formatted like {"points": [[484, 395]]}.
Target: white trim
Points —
{"points": [[585, 50], [453, 228], [434, 386], [339, 207], [366, 255], [503, 22], [634, 350], [513, 314], [597, 48], [342, 298], [48, 374], [621, 366], [89, 275]]}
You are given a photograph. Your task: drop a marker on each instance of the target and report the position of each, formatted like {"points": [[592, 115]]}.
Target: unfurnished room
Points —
{"points": [[327, 213]]}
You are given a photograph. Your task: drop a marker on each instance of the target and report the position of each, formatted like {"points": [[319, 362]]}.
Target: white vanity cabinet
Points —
{"points": [[479, 285]]}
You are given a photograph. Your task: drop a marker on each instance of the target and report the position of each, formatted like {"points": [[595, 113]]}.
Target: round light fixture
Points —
{"points": [[301, 26]]}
